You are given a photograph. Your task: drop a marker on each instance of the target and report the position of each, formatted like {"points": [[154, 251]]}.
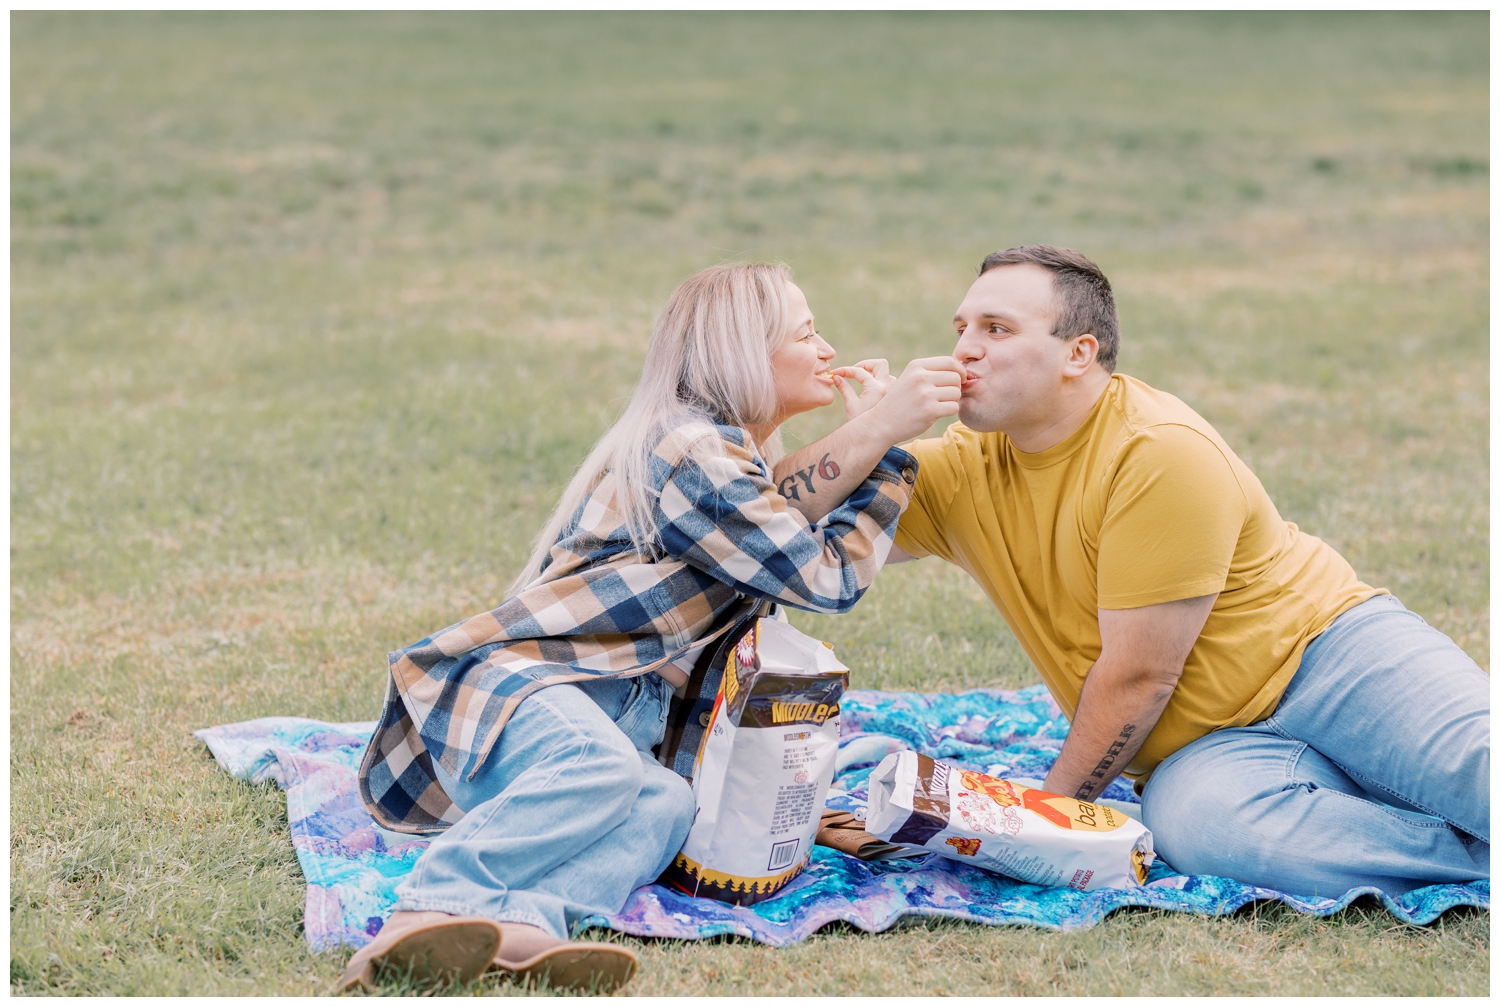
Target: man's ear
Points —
{"points": [[1082, 352]]}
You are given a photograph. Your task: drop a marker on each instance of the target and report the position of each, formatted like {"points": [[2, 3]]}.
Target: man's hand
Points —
{"points": [[928, 389], [1124, 693], [821, 476]]}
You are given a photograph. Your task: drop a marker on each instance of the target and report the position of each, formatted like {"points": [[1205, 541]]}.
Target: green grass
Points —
{"points": [[312, 315]]}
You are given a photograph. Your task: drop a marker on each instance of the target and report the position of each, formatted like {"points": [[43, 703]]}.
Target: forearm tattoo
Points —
{"points": [[1101, 775], [792, 486]]}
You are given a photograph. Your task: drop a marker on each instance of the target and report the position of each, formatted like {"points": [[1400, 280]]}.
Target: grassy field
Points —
{"points": [[313, 315]]}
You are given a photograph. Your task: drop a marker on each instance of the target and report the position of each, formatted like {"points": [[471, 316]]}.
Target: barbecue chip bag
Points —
{"points": [[1022, 832], [764, 767]]}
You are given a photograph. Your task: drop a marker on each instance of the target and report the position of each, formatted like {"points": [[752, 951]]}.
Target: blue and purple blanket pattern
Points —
{"points": [[353, 865]]}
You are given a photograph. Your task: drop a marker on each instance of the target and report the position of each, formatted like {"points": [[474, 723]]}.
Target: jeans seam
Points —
{"points": [[1292, 777], [1293, 758], [428, 905], [432, 905], [1386, 809], [1364, 780], [1271, 723]]}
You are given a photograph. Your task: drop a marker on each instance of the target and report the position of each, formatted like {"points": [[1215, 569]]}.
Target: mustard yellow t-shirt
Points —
{"points": [[1142, 504]]}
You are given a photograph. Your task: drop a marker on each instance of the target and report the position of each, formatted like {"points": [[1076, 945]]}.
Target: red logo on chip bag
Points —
{"points": [[967, 847], [744, 651]]}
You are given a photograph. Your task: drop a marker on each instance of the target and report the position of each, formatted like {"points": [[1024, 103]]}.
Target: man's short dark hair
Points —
{"points": [[1085, 301]]}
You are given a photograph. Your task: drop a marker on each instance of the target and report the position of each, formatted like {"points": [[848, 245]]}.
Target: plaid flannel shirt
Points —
{"points": [[726, 541]]}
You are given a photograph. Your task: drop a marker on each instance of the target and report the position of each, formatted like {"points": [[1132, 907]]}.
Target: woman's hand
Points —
{"points": [[874, 377]]}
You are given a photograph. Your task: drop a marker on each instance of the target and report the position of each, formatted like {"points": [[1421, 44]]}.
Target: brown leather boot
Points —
{"points": [[528, 952], [431, 946]]}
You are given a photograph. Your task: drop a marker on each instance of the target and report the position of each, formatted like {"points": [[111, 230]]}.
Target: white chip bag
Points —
{"points": [[763, 769], [1002, 826]]}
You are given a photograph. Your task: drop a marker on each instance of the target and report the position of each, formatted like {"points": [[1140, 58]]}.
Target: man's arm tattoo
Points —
{"points": [[1098, 778], [827, 469]]}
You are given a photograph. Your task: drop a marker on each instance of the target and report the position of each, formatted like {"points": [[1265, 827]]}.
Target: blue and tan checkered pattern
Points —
{"points": [[726, 539]]}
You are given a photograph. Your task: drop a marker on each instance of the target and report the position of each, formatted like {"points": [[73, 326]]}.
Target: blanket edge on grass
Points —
{"points": [[353, 866]]}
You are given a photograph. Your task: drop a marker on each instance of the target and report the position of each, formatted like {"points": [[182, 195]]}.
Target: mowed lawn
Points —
{"points": [[312, 316]]}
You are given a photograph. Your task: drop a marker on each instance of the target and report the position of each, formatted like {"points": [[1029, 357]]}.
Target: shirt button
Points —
{"points": [[704, 718], [909, 475]]}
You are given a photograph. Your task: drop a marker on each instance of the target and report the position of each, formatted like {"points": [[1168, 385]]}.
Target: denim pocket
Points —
{"points": [[615, 696], [644, 719]]}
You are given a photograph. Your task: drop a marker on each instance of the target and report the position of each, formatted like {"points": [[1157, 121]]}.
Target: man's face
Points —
{"points": [[1015, 364]]}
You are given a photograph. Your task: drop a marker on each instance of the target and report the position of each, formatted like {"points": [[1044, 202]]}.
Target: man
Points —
{"points": [[1290, 726]]}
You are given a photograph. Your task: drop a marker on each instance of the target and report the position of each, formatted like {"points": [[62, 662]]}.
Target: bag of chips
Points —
{"points": [[1000, 825], [763, 768], [845, 831]]}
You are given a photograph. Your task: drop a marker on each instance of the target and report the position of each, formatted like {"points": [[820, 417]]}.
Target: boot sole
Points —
{"points": [[576, 967], [447, 952]]}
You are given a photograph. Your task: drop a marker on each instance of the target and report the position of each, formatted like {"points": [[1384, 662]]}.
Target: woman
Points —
{"points": [[527, 732]]}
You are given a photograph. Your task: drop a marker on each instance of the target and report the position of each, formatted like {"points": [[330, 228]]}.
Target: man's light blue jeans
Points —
{"points": [[569, 814], [1374, 770]]}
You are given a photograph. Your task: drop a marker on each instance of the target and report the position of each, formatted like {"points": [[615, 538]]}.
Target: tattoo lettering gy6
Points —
{"points": [[827, 469]]}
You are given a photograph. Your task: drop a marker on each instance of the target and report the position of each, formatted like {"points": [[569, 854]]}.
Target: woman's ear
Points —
{"points": [[1082, 352]]}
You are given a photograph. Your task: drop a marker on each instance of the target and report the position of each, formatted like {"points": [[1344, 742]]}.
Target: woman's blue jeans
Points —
{"points": [[569, 814], [1374, 770]]}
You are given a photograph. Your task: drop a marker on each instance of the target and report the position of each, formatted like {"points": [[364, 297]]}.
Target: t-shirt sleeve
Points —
{"points": [[1173, 515], [939, 471]]}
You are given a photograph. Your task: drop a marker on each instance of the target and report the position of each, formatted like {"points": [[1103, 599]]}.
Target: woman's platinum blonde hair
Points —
{"points": [[709, 357]]}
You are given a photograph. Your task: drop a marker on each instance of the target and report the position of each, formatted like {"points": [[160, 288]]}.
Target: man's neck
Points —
{"points": [[1076, 402]]}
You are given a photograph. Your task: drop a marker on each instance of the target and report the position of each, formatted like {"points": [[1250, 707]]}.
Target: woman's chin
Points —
{"points": [[823, 400], [815, 398]]}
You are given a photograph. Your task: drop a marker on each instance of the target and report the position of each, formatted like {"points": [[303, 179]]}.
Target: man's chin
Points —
{"points": [[976, 418]]}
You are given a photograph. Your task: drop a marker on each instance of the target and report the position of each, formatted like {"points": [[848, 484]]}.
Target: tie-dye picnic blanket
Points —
{"points": [[353, 865]]}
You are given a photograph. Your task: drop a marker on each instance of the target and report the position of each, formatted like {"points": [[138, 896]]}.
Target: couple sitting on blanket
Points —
{"points": [[1286, 725]]}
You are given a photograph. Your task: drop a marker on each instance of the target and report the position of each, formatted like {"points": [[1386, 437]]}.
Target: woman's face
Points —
{"points": [[800, 364]]}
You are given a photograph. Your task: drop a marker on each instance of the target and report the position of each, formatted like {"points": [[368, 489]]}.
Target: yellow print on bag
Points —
{"points": [[790, 713], [730, 684], [1138, 863], [688, 869]]}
